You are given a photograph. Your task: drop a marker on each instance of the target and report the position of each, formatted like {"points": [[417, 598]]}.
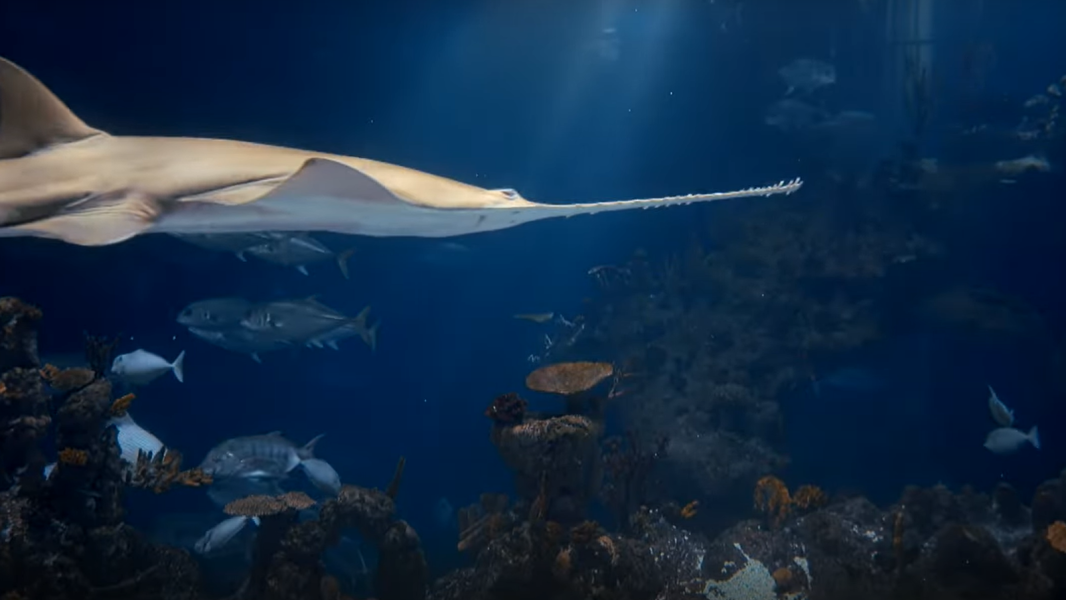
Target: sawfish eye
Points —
{"points": [[508, 193]]}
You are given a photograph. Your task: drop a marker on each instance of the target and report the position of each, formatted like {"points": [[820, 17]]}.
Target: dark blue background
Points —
{"points": [[513, 94]]}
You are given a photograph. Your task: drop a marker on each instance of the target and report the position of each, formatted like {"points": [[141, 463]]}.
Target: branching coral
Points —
{"points": [[809, 497], [71, 456], [483, 522], [98, 352], [77, 546], [121, 405], [774, 500], [162, 471], [66, 380], [397, 478]]}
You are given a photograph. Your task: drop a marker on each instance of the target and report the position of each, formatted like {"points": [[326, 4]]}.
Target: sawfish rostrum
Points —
{"points": [[62, 179]]}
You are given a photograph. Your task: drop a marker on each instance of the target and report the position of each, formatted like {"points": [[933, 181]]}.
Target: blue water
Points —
{"points": [[520, 95]]}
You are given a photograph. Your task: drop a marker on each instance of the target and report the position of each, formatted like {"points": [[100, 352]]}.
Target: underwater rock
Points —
{"points": [[287, 561], [18, 334], [534, 562], [554, 459], [1049, 502]]}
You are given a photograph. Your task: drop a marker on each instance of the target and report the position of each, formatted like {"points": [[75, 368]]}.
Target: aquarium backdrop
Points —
{"points": [[858, 335]]}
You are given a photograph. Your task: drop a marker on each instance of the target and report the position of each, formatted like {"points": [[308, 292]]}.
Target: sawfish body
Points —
{"points": [[62, 179]]}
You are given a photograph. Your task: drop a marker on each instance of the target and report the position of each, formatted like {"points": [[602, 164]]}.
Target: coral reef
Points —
{"points": [[572, 380], [721, 331], [63, 536], [507, 409], [555, 459], [286, 561], [628, 463]]}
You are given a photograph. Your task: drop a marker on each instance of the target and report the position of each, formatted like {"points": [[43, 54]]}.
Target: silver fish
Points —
{"points": [[237, 243], [1000, 413], [807, 75], [243, 341], [141, 367], [269, 456], [1007, 440], [355, 327], [132, 439], [222, 534], [297, 321], [299, 251], [214, 313]]}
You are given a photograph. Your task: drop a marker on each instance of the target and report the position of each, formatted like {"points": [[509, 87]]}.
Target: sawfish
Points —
{"points": [[62, 179]]}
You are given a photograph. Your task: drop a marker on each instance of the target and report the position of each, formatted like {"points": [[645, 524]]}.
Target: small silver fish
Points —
{"points": [[1000, 413], [1007, 440], [238, 339], [221, 534], [1019, 166], [269, 456], [133, 438], [141, 367]]}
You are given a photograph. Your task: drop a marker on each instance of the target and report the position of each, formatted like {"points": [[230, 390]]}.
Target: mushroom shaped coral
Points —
{"points": [[568, 378]]}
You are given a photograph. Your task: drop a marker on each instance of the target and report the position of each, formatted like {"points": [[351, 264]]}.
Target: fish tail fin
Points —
{"points": [[1034, 437], [360, 319], [308, 451], [370, 336], [178, 366], [342, 261]]}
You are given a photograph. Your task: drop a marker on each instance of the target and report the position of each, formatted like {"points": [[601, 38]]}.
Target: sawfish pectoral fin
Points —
{"points": [[99, 219], [325, 178]]}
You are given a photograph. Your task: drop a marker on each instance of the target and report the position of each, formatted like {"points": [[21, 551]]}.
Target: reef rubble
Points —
{"points": [[932, 544]]}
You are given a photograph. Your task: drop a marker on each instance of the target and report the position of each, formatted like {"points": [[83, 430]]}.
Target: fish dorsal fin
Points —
{"points": [[31, 116], [273, 434]]}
